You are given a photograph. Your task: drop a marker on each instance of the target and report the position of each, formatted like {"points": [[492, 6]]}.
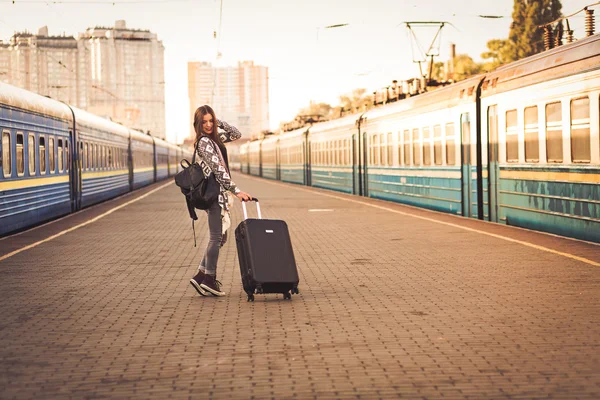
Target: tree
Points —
{"points": [[525, 36], [356, 100], [499, 53], [437, 72], [317, 110], [464, 67]]}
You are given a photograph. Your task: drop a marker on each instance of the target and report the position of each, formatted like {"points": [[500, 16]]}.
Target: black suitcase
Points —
{"points": [[266, 257]]}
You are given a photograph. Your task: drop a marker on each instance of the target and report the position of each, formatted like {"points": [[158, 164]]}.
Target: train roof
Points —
{"points": [[294, 133], [445, 97], [165, 143], [28, 101], [569, 59], [270, 138], [88, 120], [335, 124], [139, 136]]}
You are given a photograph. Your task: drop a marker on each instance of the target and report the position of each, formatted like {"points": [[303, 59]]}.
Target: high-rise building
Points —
{"points": [[44, 64], [113, 72], [126, 76], [238, 94]]}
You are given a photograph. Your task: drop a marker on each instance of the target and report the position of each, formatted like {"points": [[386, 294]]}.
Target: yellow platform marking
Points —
{"points": [[4, 257], [535, 246]]}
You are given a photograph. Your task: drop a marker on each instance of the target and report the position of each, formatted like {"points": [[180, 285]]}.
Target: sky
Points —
{"points": [[307, 61]]}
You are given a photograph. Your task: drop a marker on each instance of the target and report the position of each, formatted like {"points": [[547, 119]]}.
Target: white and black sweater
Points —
{"points": [[212, 160]]}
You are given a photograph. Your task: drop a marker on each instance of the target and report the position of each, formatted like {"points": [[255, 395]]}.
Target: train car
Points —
{"points": [[175, 154], [37, 138], [142, 159], [161, 159], [333, 146], [293, 160], [254, 158], [244, 160], [413, 151], [270, 157], [541, 115], [103, 165]]}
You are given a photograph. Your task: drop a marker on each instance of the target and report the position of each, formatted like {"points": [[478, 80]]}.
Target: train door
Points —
{"points": [[277, 161], [469, 194], [78, 165], [154, 160], [356, 165], [72, 158], [493, 167], [307, 160], [364, 163]]}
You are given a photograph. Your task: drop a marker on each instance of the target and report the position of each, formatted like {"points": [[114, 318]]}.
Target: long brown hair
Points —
{"points": [[198, 116]]}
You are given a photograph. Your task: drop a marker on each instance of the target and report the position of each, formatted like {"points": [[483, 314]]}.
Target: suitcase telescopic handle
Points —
{"points": [[257, 208]]}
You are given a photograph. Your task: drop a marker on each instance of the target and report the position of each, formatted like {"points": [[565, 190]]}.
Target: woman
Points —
{"points": [[212, 156]]}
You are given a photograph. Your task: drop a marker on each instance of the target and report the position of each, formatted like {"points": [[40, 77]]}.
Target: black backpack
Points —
{"points": [[200, 192]]}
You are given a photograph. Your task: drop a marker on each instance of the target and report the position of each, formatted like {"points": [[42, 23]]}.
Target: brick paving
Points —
{"points": [[391, 306]]}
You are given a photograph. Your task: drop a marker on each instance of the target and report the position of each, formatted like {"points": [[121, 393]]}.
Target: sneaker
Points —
{"points": [[196, 281], [210, 284]]}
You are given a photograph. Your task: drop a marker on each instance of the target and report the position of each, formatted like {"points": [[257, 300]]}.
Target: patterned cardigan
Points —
{"points": [[211, 160]]}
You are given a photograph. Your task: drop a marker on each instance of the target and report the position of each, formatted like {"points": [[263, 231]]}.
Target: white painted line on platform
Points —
{"points": [[535, 246], [320, 210], [4, 257]]}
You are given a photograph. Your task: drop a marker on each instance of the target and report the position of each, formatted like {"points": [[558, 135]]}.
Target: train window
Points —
{"points": [[20, 154], [87, 156], [82, 155], [437, 145], [399, 141], [493, 133], [348, 150], [6, 161], [51, 155], [377, 160], [60, 155], [406, 144], [31, 153], [512, 137], [92, 156], [580, 130], [450, 144], [390, 149], [110, 157], [532, 140], [371, 150], [416, 147], [426, 146], [42, 148], [381, 157], [67, 160]]}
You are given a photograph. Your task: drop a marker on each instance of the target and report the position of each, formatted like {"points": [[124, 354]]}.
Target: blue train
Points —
{"points": [[57, 159], [518, 146]]}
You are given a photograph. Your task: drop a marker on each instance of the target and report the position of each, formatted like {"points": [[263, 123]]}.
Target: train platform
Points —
{"points": [[395, 302]]}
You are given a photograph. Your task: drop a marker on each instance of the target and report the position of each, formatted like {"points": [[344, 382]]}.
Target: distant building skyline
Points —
{"points": [[113, 72], [238, 94]]}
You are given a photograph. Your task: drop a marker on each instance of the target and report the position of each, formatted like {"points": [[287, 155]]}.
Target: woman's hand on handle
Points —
{"points": [[243, 196]]}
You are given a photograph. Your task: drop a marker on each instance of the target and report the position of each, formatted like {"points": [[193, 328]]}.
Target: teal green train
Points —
{"points": [[518, 146]]}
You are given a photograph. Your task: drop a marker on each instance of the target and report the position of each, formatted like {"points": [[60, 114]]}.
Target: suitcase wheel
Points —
{"points": [[250, 297], [287, 296], [295, 290]]}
